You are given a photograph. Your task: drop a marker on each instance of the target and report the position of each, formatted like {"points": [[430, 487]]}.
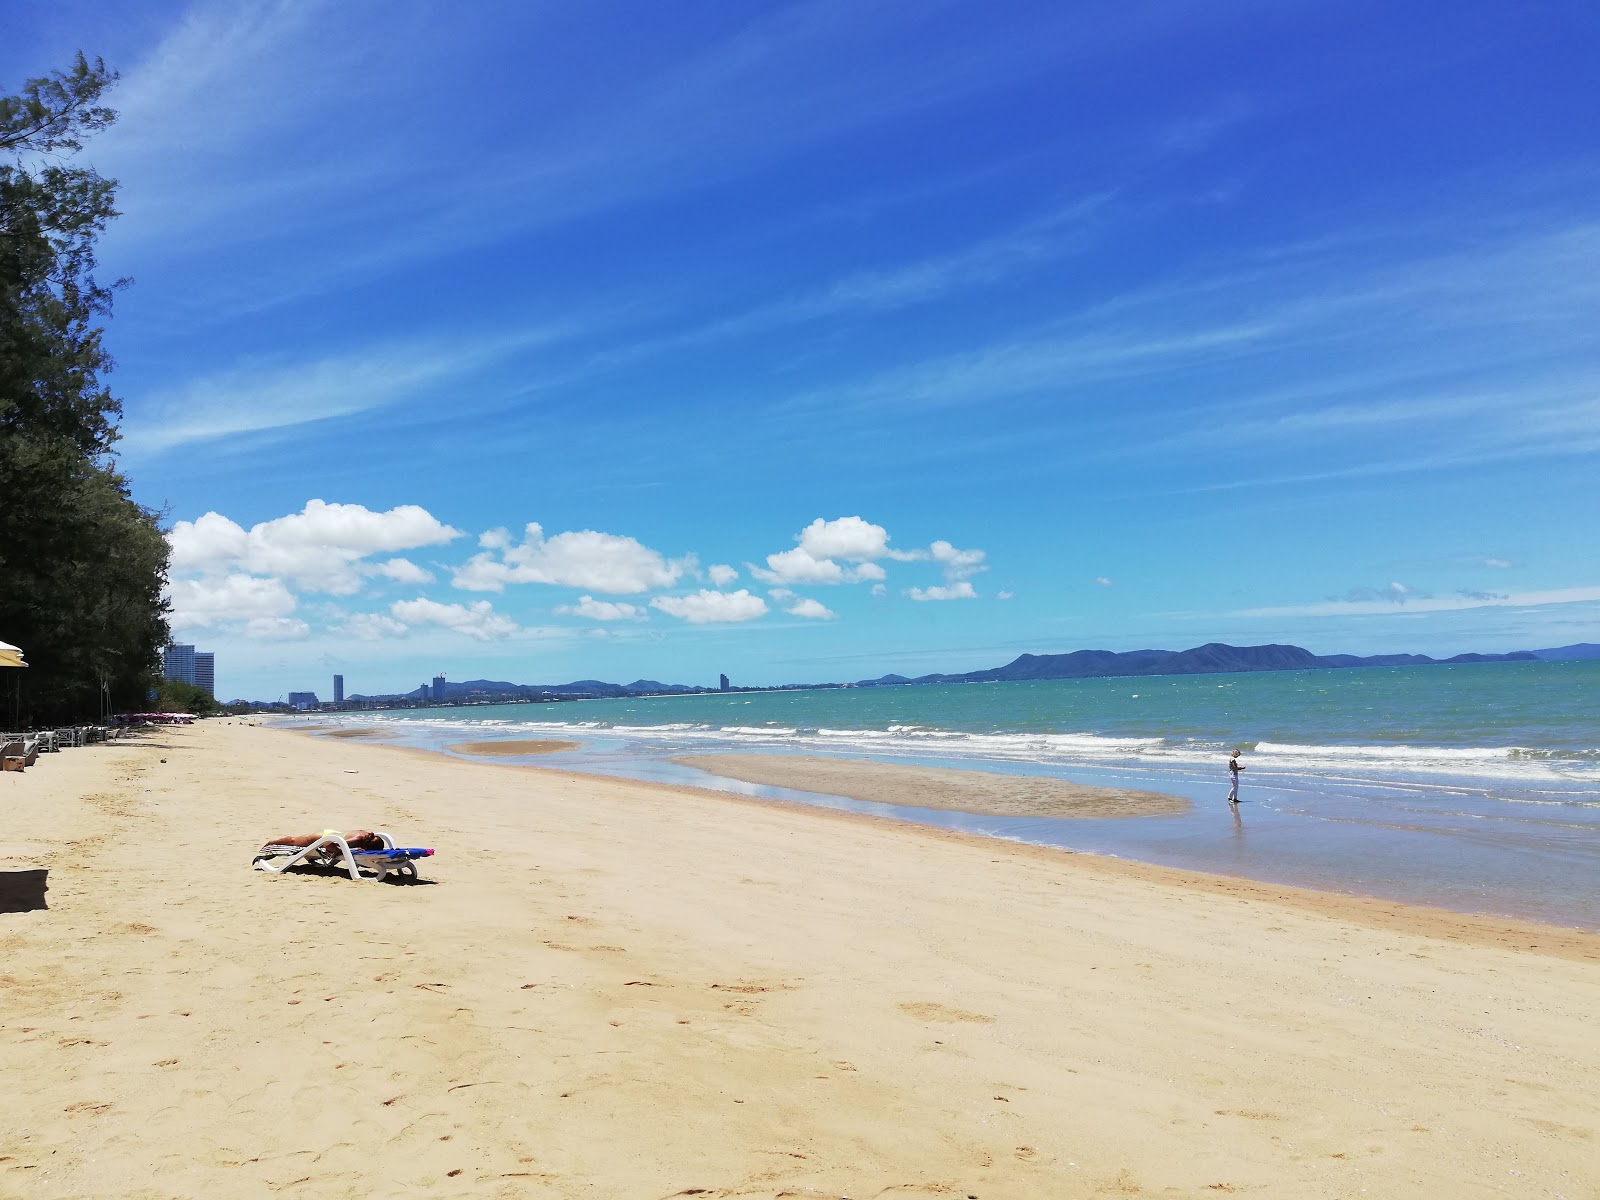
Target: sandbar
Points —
{"points": [[604, 987], [986, 793], [353, 733], [510, 749]]}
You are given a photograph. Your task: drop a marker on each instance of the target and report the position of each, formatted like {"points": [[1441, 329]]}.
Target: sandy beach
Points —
{"points": [[608, 989], [904, 784]]}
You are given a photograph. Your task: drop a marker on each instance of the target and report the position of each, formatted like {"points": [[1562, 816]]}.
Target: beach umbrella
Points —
{"points": [[10, 656]]}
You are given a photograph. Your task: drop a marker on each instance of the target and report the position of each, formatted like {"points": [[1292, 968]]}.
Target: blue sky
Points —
{"points": [[813, 341]]}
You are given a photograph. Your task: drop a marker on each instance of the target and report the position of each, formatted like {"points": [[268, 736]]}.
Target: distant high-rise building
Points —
{"points": [[302, 700], [338, 689], [197, 668], [438, 687], [205, 672], [724, 680], [177, 662]]}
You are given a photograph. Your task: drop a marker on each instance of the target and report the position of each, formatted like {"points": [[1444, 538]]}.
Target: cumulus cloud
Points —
{"points": [[706, 607], [219, 599], [1102, 581], [957, 564], [597, 562], [403, 570], [1498, 564], [813, 610], [721, 574], [602, 610], [317, 548], [478, 621], [849, 538], [1004, 595], [822, 546], [370, 627], [955, 591]]}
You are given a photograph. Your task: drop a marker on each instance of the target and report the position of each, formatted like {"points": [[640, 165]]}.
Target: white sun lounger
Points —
{"points": [[331, 850]]}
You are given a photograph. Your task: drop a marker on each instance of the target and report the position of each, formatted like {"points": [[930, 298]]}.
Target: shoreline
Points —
{"points": [[1569, 942], [771, 998], [1371, 908], [904, 785]]}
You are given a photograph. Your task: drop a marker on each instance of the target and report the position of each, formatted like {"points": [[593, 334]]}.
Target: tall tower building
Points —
{"points": [[205, 672], [338, 689], [177, 662], [724, 681], [438, 688]]}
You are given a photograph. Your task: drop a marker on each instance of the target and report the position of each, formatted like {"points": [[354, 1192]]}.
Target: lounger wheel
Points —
{"points": [[406, 871]]}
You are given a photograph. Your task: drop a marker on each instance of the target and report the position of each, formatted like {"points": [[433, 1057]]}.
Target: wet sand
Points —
{"points": [[612, 988], [982, 792], [512, 749]]}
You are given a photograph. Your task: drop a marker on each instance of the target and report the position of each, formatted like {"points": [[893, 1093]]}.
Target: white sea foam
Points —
{"points": [[1353, 762]]}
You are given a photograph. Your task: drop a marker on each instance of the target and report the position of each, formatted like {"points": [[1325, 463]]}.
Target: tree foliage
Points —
{"points": [[81, 564], [174, 695]]}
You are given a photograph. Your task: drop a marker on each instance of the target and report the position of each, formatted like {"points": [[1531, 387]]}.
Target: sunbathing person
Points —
{"points": [[356, 839]]}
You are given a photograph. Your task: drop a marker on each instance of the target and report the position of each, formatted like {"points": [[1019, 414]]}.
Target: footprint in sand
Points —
{"points": [[88, 1106], [926, 1010], [1249, 1114]]}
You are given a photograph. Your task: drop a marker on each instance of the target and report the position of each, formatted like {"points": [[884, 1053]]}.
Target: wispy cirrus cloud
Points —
{"points": [[279, 392], [1427, 604]]}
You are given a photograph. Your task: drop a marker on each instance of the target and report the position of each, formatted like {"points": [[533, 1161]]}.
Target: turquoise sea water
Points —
{"points": [[1476, 787]]}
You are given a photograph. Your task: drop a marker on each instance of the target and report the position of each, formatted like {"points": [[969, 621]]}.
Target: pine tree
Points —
{"points": [[81, 564]]}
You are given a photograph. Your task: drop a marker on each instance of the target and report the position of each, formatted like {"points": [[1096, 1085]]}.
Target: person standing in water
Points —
{"points": [[1234, 767]]}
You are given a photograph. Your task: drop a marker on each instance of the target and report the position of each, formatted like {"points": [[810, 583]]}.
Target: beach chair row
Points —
{"points": [[19, 751]]}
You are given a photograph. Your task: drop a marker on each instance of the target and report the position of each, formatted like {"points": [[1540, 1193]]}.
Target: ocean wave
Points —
{"points": [[1355, 763]]}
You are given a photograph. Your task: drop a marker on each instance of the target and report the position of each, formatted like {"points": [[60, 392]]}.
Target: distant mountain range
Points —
{"points": [[1212, 658]]}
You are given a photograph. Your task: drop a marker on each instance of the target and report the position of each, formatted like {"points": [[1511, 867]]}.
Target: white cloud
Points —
{"points": [[1499, 564], [707, 607], [598, 562], [478, 621], [877, 589], [1103, 581], [721, 574], [848, 538], [403, 570], [1004, 595], [216, 600], [958, 564], [956, 591], [370, 627], [822, 543], [602, 610], [812, 610], [317, 548], [780, 594], [799, 566]]}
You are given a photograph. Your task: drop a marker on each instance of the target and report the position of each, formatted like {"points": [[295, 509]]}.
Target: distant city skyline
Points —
{"points": [[820, 341]]}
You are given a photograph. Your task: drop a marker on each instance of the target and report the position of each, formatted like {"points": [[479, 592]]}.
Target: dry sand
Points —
{"points": [[512, 749], [984, 792], [616, 990]]}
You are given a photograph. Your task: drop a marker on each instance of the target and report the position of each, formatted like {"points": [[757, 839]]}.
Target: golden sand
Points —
{"points": [[613, 989]]}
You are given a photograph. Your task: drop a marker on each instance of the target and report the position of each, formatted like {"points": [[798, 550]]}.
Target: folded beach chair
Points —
{"points": [[331, 850]]}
